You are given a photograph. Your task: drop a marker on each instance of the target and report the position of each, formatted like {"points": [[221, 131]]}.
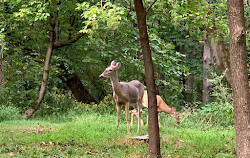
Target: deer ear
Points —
{"points": [[113, 63], [118, 65], [174, 109]]}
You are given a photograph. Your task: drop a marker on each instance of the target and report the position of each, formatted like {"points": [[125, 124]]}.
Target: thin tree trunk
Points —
{"points": [[240, 87], [45, 75], [1, 66], [1, 71], [42, 91], [189, 88], [154, 138], [54, 44], [207, 66]]}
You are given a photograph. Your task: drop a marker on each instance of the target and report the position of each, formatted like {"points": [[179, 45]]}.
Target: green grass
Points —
{"points": [[95, 135]]}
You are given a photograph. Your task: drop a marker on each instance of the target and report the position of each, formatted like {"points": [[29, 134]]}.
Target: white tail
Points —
{"points": [[124, 93], [161, 107]]}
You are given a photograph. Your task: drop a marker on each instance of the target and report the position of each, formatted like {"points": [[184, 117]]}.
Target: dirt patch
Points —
{"points": [[32, 129], [36, 129], [178, 144], [130, 141]]}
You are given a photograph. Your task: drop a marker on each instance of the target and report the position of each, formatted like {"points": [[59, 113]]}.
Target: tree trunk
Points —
{"points": [[222, 57], [42, 91], [189, 88], [240, 87], [154, 138], [207, 66], [1, 71], [54, 44], [77, 88], [45, 75], [1, 66]]}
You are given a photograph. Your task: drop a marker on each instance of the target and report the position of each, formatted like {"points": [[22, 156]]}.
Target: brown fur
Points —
{"points": [[161, 107]]}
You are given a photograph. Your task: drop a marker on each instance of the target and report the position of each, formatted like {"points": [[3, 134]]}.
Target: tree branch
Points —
{"points": [[149, 7], [57, 27], [68, 42]]}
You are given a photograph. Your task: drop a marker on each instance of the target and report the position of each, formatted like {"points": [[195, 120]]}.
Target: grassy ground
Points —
{"points": [[95, 135]]}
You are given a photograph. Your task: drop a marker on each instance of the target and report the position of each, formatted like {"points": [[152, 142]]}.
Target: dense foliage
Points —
{"points": [[176, 30]]}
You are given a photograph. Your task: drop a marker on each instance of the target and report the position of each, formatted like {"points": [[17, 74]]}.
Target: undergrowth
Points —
{"points": [[66, 128], [89, 130], [94, 135]]}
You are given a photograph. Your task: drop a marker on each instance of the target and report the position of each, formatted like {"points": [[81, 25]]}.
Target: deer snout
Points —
{"points": [[101, 76], [178, 122]]}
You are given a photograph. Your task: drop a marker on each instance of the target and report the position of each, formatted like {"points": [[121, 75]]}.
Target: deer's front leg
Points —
{"points": [[127, 114], [139, 117], [118, 110]]}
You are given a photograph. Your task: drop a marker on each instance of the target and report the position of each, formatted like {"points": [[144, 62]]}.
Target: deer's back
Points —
{"points": [[130, 92], [161, 105], [139, 86]]}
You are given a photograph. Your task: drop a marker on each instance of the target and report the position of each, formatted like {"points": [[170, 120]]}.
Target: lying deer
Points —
{"points": [[125, 93], [161, 107]]}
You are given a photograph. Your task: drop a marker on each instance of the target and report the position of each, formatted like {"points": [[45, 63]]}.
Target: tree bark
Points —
{"points": [[189, 84], [74, 83], [207, 66], [1, 66], [154, 138], [189, 88], [240, 87], [42, 91], [1, 71], [222, 57]]}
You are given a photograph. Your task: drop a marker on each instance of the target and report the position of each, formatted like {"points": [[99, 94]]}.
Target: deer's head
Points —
{"points": [[175, 115], [109, 71]]}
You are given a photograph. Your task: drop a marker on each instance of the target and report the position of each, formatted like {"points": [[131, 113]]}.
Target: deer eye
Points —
{"points": [[110, 70]]}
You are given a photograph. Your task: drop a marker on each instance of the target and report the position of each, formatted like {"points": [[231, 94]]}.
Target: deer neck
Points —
{"points": [[116, 85], [162, 106], [167, 109]]}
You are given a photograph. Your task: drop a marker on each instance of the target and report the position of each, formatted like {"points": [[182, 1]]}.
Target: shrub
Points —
{"points": [[220, 110], [56, 102], [106, 106], [59, 107], [9, 113], [217, 114]]}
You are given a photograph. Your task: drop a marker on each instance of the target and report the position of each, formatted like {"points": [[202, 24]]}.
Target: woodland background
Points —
{"points": [[190, 50]]}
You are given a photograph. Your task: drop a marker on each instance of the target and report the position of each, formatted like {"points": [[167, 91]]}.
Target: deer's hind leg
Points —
{"points": [[139, 111]]}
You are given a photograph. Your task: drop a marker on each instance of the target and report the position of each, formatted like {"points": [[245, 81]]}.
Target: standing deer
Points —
{"points": [[124, 93], [161, 107]]}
